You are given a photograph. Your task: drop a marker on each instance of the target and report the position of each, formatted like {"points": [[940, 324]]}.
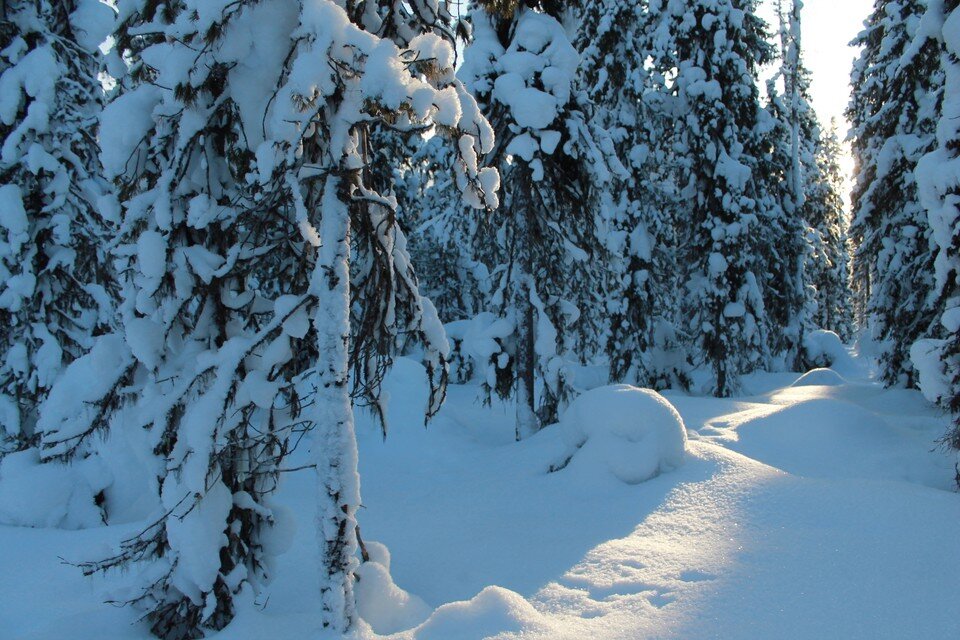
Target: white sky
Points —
{"points": [[828, 27]]}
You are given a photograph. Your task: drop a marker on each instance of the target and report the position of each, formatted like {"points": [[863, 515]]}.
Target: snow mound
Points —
{"points": [[636, 433], [825, 349], [491, 612], [382, 604], [45, 495], [823, 377], [828, 438]]}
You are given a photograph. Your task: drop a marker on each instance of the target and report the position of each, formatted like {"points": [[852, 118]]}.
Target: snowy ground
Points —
{"points": [[812, 510]]}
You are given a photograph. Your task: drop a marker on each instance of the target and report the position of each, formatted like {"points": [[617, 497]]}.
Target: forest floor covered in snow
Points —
{"points": [[811, 508]]}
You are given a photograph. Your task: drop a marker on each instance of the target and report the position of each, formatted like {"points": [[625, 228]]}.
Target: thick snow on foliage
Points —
{"points": [[53, 287], [635, 432], [381, 603], [761, 530], [825, 349]]}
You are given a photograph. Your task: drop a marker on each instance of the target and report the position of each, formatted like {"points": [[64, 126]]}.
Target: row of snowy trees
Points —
{"points": [[897, 95], [225, 275], [660, 216], [903, 111], [205, 256]]}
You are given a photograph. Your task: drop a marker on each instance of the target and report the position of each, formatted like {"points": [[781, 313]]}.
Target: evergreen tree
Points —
{"points": [[828, 268], [716, 49], [781, 239], [240, 145], [893, 111], [790, 295], [638, 209], [54, 281], [521, 66], [938, 360]]}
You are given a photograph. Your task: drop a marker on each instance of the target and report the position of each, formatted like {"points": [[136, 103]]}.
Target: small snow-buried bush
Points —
{"points": [[635, 433], [825, 349]]}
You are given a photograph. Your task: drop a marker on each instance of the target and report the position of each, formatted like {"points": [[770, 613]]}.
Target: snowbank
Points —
{"points": [[823, 377], [493, 611], [45, 495], [830, 438], [634, 432]]}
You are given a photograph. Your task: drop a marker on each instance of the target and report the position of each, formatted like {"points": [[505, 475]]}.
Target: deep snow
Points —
{"points": [[808, 511]]}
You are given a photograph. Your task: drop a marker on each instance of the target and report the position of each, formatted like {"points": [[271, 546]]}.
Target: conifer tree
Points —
{"points": [[54, 281], [894, 110], [716, 49], [265, 271], [938, 360], [789, 292], [521, 65], [782, 240], [828, 268], [442, 232], [638, 209]]}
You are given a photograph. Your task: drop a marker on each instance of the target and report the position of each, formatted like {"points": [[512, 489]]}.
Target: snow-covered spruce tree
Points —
{"points": [[238, 143], [319, 122], [893, 111], [214, 343], [781, 239], [521, 65], [53, 277], [638, 209], [938, 360], [716, 46], [787, 164], [828, 270]]}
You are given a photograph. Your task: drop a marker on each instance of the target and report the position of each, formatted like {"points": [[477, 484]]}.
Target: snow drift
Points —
{"points": [[822, 377], [634, 432]]}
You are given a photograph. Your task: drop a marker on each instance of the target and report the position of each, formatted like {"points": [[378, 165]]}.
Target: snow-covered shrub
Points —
{"points": [[71, 430], [824, 349], [492, 612], [927, 358], [635, 433], [483, 344]]}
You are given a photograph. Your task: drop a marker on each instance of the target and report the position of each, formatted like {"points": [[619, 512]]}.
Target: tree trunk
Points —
{"points": [[335, 446], [527, 423]]}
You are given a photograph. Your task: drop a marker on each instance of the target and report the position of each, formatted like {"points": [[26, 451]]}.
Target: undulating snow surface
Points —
{"points": [[811, 510]]}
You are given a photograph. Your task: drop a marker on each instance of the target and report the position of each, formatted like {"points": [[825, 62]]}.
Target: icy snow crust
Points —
{"points": [[802, 511]]}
